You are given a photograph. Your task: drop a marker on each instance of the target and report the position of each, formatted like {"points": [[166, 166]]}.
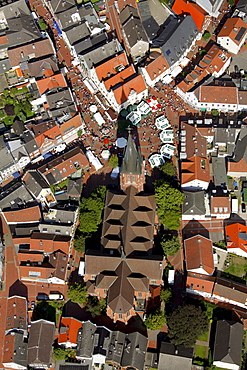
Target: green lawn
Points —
{"points": [[203, 337], [238, 266], [201, 351]]}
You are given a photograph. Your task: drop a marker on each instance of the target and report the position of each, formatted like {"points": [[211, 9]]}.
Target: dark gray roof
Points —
{"points": [[29, 142], [20, 348], [228, 342], [22, 30], [242, 5], [90, 43], [14, 8], [223, 135], [132, 25], [70, 366], [219, 171], [74, 188], [101, 340], [85, 341], [5, 65], [5, 155], [116, 346], [149, 23], [41, 337], [132, 161], [77, 33], [61, 5], [101, 53], [134, 350], [175, 357], [194, 203], [61, 104], [18, 127], [24, 229], [240, 150], [179, 40], [35, 182], [14, 195], [37, 67]]}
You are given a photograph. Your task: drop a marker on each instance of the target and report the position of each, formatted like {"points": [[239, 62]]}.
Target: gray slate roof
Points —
{"points": [[35, 182], [116, 346], [41, 337], [194, 203], [132, 25], [175, 357], [85, 339], [14, 195], [228, 342], [22, 30], [20, 348], [219, 171], [61, 5], [5, 155], [74, 188], [179, 40], [134, 350]]}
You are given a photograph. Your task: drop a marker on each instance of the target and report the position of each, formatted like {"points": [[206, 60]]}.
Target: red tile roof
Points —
{"points": [[110, 67], [240, 166], [30, 214], [72, 326], [185, 7], [49, 243], [156, 67], [136, 84], [195, 168], [236, 236], [218, 94], [199, 254], [231, 28], [200, 283], [46, 84], [3, 40], [71, 124], [220, 204]]}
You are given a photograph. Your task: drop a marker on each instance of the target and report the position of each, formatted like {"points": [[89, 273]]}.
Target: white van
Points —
{"points": [[55, 296]]}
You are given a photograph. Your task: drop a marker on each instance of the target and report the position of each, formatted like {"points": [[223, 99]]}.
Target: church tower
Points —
{"points": [[132, 170]]}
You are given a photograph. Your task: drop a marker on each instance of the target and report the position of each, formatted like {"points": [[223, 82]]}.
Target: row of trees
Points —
{"points": [[168, 198], [91, 210]]}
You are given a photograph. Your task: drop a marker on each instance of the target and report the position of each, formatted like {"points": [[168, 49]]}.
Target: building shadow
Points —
{"points": [[18, 288], [194, 227]]}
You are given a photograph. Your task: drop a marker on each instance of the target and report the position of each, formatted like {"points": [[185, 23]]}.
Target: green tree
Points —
{"points": [[155, 320], [59, 353], [169, 201], [42, 24], [80, 243], [113, 161], [79, 133], [231, 2], [168, 169], [214, 112], [170, 244], [186, 323], [166, 295], [91, 209], [77, 293], [206, 35], [96, 306]]}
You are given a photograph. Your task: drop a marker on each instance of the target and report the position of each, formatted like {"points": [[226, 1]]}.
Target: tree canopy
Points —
{"points": [[155, 320], [186, 323], [91, 209], [168, 169], [95, 306], [80, 243], [113, 161], [169, 201], [166, 295], [170, 244], [77, 293], [59, 354]]}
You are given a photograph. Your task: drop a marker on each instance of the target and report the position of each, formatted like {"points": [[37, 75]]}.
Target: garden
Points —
{"points": [[235, 266], [15, 104]]}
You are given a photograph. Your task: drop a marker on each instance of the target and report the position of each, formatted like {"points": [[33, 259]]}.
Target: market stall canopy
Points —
{"points": [[93, 108], [156, 160], [121, 142], [162, 123], [143, 108], [168, 150], [105, 154], [134, 117], [167, 136]]}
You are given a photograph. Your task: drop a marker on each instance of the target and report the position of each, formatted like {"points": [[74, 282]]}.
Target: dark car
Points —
{"points": [[243, 207]]}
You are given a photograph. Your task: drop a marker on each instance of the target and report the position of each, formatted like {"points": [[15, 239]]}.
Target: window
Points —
{"points": [[120, 316], [191, 286], [105, 291], [140, 294], [202, 287]]}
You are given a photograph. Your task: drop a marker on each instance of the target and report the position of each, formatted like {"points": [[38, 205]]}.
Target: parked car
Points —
{"points": [[243, 207]]}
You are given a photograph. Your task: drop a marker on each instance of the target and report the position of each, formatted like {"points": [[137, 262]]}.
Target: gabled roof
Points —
{"points": [[174, 357], [156, 67], [235, 29], [135, 85], [61, 5], [41, 337], [16, 315], [27, 214], [132, 26], [85, 339], [218, 94], [194, 203], [22, 29], [49, 83], [35, 182], [228, 342], [199, 254], [195, 168], [134, 351], [111, 67], [68, 330]]}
